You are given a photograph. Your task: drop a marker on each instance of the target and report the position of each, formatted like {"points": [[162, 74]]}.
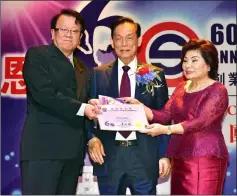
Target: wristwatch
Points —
{"points": [[169, 130]]}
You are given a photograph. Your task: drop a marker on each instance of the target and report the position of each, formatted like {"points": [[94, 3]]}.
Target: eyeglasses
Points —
{"points": [[66, 31]]}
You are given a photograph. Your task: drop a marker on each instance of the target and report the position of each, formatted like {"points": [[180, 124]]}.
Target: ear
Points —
{"points": [[139, 41], [209, 67], [79, 44], [53, 34], [112, 42], [78, 47]]}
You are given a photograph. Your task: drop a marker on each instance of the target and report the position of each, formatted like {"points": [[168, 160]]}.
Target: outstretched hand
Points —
{"points": [[94, 102], [154, 130], [92, 111], [129, 100]]}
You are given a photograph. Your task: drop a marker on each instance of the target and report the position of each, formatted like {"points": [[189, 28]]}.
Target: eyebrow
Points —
{"points": [[193, 57], [126, 35], [72, 28]]}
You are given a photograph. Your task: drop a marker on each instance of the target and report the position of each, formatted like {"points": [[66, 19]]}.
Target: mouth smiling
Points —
{"points": [[188, 72]]}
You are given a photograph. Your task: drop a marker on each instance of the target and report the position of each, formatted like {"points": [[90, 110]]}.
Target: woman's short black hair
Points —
{"points": [[208, 52]]}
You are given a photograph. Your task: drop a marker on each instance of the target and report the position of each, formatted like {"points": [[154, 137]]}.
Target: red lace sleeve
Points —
{"points": [[164, 115], [211, 112]]}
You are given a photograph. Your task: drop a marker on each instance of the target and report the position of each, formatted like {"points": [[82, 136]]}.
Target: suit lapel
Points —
{"points": [[138, 91], [144, 98], [139, 88], [59, 56], [79, 73], [112, 75]]}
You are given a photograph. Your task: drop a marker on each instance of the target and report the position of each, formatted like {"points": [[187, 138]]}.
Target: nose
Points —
{"points": [[188, 64], [124, 42], [69, 33]]}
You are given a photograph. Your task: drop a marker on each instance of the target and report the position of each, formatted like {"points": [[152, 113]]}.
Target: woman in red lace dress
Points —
{"points": [[197, 107]]}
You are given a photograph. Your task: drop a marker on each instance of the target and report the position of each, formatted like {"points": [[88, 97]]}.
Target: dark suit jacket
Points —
{"points": [[105, 82], [55, 92]]}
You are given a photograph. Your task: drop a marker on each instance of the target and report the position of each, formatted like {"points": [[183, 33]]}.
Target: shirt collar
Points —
{"points": [[132, 65], [70, 57]]}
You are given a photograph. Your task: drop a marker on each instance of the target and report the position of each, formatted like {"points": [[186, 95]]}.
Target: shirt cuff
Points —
{"points": [[81, 111]]}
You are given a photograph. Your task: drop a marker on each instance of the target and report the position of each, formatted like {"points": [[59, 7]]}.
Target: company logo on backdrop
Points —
{"points": [[161, 46]]}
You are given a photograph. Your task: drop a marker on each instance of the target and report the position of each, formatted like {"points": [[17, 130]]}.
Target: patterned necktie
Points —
{"points": [[125, 91]]}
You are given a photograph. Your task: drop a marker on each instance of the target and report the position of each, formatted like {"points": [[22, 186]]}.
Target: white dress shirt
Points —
{"points": [[132, 77]]}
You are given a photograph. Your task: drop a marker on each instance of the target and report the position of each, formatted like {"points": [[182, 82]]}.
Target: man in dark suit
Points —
{"points": [[127, 161], [54, 135]]}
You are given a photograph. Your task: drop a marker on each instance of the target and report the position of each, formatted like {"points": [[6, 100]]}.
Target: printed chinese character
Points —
{"points": [[13, 81], [233, 78], [221, 78], [233, 133]]}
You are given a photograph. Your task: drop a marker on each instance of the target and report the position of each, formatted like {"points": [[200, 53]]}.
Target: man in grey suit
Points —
{"points": [[54, 134]]}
